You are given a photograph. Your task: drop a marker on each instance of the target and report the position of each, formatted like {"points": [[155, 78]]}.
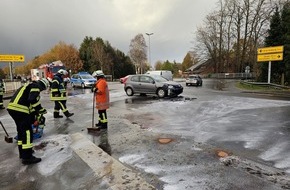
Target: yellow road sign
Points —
{"points": [[274, 49], [11, 58], [270, 57]]}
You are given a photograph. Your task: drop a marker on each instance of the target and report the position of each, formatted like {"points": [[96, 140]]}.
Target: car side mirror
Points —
{"points": [[153, 82]]}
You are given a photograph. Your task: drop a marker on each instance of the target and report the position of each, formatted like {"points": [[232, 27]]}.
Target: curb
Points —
{"points": [[107, 169]]}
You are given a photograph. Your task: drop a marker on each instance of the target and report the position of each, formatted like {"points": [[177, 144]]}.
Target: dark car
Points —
{"points": [[151, 84], [82, 79], [193, 80]]}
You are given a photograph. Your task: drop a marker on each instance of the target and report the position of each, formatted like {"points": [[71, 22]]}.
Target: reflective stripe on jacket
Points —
{"points": [[26, 99], [102, 95], [57, 89]]}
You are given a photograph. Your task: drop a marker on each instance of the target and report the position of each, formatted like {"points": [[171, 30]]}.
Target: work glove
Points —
{"points": [[96, 90], [42, 111]]}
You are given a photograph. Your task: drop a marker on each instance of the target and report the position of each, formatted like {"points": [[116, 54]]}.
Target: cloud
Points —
{"points": [[32, 27]]}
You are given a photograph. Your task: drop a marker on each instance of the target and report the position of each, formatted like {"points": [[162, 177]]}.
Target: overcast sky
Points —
{"points": [[32, 27]]}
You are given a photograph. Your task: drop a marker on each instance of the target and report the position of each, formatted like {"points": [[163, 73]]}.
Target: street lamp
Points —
{"points": [[149, 34]]}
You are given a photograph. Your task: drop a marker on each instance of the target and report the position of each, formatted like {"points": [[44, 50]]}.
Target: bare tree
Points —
{"points": [[138, 53]]}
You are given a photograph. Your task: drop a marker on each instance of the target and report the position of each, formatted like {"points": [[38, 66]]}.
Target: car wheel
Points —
{"points": [[129, 91], [83, 85], [161, 93], [186, 84], [72, 85]]}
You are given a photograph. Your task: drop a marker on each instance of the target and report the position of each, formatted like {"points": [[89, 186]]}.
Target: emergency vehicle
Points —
{"points": [[47, 70]]}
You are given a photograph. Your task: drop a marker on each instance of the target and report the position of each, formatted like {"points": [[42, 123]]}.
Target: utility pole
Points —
{"points": [[149, 34]]}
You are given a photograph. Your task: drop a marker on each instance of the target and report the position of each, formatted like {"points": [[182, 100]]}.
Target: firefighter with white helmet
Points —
{"points": [[101, 91], [23, 107], [58, 94]]}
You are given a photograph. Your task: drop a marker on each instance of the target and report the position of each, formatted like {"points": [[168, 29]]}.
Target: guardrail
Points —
{"points": [[277, 86]]}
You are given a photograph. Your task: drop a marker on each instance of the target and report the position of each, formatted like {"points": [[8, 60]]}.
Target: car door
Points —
{"points": [[147, 85]]}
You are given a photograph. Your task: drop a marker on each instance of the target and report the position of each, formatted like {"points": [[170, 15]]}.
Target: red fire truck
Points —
{"points": [[46, 70]]}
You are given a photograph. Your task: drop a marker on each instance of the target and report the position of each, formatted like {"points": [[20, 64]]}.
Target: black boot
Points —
{"points": [[31, 160], [67, 114], [56, 115]]}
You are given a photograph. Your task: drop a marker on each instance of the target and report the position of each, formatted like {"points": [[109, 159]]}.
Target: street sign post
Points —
{"points": [[274, 49], [274, 53], [12, 58], [270, 57]]}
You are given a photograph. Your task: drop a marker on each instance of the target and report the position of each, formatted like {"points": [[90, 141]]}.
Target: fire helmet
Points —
{"points": [[44, 83], [62, 72]]}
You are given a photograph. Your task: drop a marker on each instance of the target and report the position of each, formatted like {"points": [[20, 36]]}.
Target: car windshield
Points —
{"points": [[192, 77], [87, 77], [158, 78]]}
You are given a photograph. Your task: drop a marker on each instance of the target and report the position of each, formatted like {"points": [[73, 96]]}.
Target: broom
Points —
{"points": [[7, 138], [93, 129]]}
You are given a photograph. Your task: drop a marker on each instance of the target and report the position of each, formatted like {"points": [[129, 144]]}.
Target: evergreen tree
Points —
{"points": [[285, 17], [274, 38]]}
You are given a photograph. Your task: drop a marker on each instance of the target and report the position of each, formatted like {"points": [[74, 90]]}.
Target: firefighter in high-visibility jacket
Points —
{"points": [[2, 89], [58, 94], [101, 91], [22, 107]]}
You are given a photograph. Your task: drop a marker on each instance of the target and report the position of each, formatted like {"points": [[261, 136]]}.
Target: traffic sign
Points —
{"points": [[12, 58], [270, 57], [273, 49]]}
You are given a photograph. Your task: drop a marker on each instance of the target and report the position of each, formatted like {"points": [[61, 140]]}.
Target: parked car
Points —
{"points": [[151, 84], [82, 79], [193, 80], [123, 79]]}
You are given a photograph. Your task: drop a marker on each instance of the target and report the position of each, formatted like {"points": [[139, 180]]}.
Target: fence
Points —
{"points": [[12, 86]]}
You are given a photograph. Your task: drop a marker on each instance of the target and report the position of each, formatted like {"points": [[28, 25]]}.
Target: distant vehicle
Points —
{"points": [[123, 79], [82, 79], [193, 80], [165, 73], [151, 84]]}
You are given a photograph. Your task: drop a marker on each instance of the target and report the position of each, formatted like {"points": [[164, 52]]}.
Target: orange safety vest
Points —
{"points": [[102, 95]]}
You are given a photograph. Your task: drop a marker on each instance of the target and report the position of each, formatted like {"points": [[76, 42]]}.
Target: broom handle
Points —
{"points": [[93, 116], [4, 128]]}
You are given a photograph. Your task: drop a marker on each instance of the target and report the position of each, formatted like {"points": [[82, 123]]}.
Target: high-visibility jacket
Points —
{"points": [[57, 89], [102, 95], [26, 99], [2, 89]]}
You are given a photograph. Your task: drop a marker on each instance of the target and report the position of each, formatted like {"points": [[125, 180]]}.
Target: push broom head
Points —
{"points": [[8, 139]]}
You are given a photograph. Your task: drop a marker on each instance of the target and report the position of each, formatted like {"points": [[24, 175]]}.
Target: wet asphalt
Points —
{"points": [[218, 139]]}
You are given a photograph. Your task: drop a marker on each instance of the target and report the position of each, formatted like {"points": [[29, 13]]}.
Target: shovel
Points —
{"points": [[7, 138], [93, 129]]}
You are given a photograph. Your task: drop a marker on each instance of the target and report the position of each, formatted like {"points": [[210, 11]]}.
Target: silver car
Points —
{"points": [[151, 84]]}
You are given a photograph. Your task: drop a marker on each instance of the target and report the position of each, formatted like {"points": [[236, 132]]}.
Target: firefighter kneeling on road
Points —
{"points": [[22, 107], [58, 94]]}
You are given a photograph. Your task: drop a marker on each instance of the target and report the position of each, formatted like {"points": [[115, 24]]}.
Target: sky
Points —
{"points": [[33, 27]]}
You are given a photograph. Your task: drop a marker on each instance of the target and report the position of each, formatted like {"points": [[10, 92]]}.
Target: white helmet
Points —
{"points": [[62, 71], [44, 83], [99, 73]]}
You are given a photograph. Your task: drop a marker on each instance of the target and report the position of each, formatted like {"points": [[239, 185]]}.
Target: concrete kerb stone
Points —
{"points": [[109, 170]]}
